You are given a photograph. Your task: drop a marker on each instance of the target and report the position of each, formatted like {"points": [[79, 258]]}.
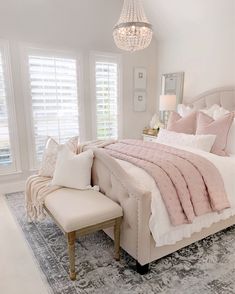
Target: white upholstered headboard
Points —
{"points": [[224, 97]]}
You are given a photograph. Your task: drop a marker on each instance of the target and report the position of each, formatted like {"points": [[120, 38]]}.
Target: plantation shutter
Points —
{"points": [[54, 95], [106, 77], [5, 146]]}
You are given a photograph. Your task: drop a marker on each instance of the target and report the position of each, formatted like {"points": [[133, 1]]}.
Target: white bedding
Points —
{"points": [[162, 230]]}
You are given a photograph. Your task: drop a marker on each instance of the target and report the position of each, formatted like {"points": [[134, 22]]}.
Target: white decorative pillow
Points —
{"points": [[202, 142], [50, 155], [219, 113], [230, 148], [210, 111], [72, 170], [184, 110], [215, 111]]}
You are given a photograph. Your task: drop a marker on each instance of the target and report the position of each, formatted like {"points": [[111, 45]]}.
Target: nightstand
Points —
{"points": [[149, 138]]}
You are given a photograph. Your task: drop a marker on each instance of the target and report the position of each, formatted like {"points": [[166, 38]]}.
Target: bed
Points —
{"points": [[116, 180]]}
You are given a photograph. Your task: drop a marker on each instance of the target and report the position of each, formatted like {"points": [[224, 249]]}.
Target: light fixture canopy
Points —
{"points": [[133, 31]]}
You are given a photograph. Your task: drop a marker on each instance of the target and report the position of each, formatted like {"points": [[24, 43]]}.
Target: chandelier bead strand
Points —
{"points": [[133, 31]]}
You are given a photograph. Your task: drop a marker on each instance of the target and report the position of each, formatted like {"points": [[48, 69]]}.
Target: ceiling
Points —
{"points": [[173, 18], [170, 18], [75, 23]]}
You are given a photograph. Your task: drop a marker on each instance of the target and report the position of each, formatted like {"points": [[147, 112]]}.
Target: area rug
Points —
{"points": [[207, 266]]}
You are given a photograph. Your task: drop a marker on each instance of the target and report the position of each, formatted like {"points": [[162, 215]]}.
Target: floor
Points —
{"points": [[19, 273], [207, 266]]}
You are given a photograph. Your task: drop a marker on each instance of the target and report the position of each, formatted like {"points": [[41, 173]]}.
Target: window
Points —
{"points": [[7, 132], [5, 146], [107, 96], [54, 99]]}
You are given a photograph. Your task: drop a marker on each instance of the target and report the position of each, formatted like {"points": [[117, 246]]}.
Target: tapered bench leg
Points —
{"points": [[117, 238], [71, 250]]}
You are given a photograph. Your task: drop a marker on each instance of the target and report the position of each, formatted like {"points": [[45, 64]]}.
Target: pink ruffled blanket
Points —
{"points": [[190, 185]]}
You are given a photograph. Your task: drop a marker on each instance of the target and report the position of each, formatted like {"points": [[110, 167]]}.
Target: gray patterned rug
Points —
{"points": [[207, 266]]}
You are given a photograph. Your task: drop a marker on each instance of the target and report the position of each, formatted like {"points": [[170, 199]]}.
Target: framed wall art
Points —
{"points": [[140, 78], [173, 84], [139, 101]]}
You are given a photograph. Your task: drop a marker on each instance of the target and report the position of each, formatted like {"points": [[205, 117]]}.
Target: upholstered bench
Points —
{"points": [[79, 212]]}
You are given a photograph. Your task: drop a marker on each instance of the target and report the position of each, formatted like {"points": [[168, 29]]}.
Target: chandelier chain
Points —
{"points": [[133, 11]]}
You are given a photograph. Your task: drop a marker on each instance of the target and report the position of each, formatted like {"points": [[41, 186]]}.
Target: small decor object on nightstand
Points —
{"points": [[155, 122], [153, 129], [150, 132]]}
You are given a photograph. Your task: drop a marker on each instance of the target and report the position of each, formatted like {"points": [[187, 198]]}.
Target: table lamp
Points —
{"points": [[167, 103]]}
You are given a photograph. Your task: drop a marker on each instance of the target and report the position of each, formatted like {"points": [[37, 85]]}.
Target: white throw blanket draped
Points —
{"points": [[36, 190], [38, 187]]}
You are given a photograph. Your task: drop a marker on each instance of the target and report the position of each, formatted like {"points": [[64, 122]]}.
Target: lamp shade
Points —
{"points": [[167, 102]]}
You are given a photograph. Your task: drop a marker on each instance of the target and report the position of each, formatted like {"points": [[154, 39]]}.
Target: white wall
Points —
{"points": [[78, 26], [203, 46], [134, 121]]}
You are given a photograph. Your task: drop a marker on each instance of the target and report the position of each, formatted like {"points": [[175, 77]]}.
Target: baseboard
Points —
{"points": [[12, 187]]}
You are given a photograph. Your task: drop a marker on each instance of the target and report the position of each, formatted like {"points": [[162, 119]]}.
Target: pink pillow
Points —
{"points": [[220, 128], [179, 124]]}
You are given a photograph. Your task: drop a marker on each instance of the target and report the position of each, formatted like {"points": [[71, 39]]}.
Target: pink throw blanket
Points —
{"points": [[189, 184]]}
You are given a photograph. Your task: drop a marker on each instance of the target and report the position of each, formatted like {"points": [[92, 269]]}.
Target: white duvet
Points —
{"points": [[162, 230]]}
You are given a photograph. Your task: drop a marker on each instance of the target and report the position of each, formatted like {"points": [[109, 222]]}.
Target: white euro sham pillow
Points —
{"points": [[210, 111], [73, 170], [215, 111], [202, 142], [184, 110], [219, 112]]}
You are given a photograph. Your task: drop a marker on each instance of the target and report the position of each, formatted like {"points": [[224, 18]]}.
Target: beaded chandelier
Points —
{"points": [[133, 31]]}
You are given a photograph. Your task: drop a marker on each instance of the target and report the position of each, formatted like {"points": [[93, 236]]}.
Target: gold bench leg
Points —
{"points": [[71, 250], [117, 238]]}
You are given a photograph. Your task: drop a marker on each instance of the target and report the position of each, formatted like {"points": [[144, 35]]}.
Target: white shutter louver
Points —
{"points": [[54, 96], [106, 79], [5, 148]]}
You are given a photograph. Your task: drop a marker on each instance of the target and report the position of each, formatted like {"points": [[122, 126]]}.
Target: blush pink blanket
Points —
{"points": [[190, 185]]}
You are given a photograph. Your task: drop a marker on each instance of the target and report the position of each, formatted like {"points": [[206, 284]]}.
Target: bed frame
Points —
{"points": [[115, 183], [224, 97]]}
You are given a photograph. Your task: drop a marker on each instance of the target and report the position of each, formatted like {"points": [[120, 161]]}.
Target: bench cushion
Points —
{"points": [[76, 209]]}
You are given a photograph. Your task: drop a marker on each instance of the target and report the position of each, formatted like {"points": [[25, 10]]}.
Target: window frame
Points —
{"points": [[105, 57], [27, 50], [15, 167]]}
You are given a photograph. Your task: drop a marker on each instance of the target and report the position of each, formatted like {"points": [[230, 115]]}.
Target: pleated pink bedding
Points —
{"points": [[189, 184]]}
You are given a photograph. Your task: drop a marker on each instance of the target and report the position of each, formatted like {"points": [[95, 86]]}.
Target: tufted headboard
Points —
{"points": [[224, 97]]}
